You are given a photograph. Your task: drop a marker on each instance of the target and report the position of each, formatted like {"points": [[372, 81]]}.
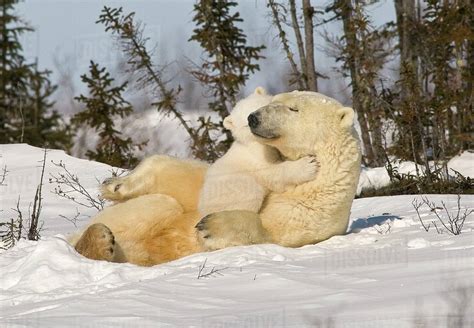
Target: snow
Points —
{"points": [[387, 271], [162, 133], [378, 177], [150, 126], [23, 163], [463, 163]]}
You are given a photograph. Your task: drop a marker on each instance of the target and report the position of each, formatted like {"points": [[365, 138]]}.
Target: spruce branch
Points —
{"points": [[104, 103], [129, 35], [227, 64], [277, 19]]}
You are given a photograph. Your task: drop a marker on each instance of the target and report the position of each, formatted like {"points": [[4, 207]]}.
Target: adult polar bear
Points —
{"points": [[155, 222]]}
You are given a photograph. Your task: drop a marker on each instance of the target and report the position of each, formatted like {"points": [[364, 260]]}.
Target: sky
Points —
{"points": [[66, 38]]}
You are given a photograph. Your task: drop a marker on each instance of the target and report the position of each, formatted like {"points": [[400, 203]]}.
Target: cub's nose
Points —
{"points": [[253, 120]]}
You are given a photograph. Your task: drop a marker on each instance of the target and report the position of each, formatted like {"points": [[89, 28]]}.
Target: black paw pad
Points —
{"points": [[202, 224]]}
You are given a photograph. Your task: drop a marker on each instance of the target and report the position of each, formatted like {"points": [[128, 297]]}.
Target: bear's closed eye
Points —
{"points": [[293, 109]]}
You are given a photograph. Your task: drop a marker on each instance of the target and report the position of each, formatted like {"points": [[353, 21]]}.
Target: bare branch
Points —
{"points": [[74, 188], [285, 43], [299, 39], [3, 176], [33, 230], [73, 219], [417, 205], [308, 12], [380, 228], [452, 223], [19, 218], [212, 272]]}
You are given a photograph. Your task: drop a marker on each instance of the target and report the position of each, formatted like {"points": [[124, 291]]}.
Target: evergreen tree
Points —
{"points": [[25, 108], [227, 67], [104, 103], [363, 51], [129, 35], [40, 125], [14, 72], [434, 109], [286, 15]]}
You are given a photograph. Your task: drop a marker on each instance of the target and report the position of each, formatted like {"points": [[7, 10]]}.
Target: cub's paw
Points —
{"points": [[113, 189], [231, 228], [97, 243], [305, 169]]}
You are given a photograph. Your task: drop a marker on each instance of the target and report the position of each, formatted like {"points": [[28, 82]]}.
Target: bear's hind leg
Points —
{"points": [[97, 243]]}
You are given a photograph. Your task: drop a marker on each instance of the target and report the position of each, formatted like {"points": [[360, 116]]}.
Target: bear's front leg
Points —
{"points": [[131, 185], [278, 177], [138, 182], [231, 228], [159, 174]]}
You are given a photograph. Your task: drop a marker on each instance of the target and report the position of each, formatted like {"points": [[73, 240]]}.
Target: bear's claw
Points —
{"points": [[202, 224], [107, 181], [231, 228], [112, 189]]}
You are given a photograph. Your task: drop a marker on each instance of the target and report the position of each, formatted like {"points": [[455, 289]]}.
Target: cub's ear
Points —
{"points": [[346, 115], [260, 91], [228, 124]]}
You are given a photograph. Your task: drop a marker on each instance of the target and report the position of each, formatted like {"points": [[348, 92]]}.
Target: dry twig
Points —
{"points": [[204, 272], [452, 222], [73, 188], [3, 176]]}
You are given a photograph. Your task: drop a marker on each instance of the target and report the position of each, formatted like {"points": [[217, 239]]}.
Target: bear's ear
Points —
{"points": [[260, 91], [346, 115], [228, 124]]}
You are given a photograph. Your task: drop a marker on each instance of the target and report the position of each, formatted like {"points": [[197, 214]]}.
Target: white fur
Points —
{"points": [[242, 178], [316, 210], [298, 124]]}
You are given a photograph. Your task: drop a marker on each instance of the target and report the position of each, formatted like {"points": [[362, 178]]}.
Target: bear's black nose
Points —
{"points": [[253, 120]]}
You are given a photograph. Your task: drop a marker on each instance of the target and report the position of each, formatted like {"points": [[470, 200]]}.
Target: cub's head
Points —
{"points": [[237, 121], [301, 123]]}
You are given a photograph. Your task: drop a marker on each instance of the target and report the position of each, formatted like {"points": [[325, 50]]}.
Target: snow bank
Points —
{"points": [[463, 163], [378, 177], [23, 163], [52, 264], [372, 277]]}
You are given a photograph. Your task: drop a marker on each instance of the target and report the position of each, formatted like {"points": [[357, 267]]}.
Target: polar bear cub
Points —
{"points": [[241, 179]]}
